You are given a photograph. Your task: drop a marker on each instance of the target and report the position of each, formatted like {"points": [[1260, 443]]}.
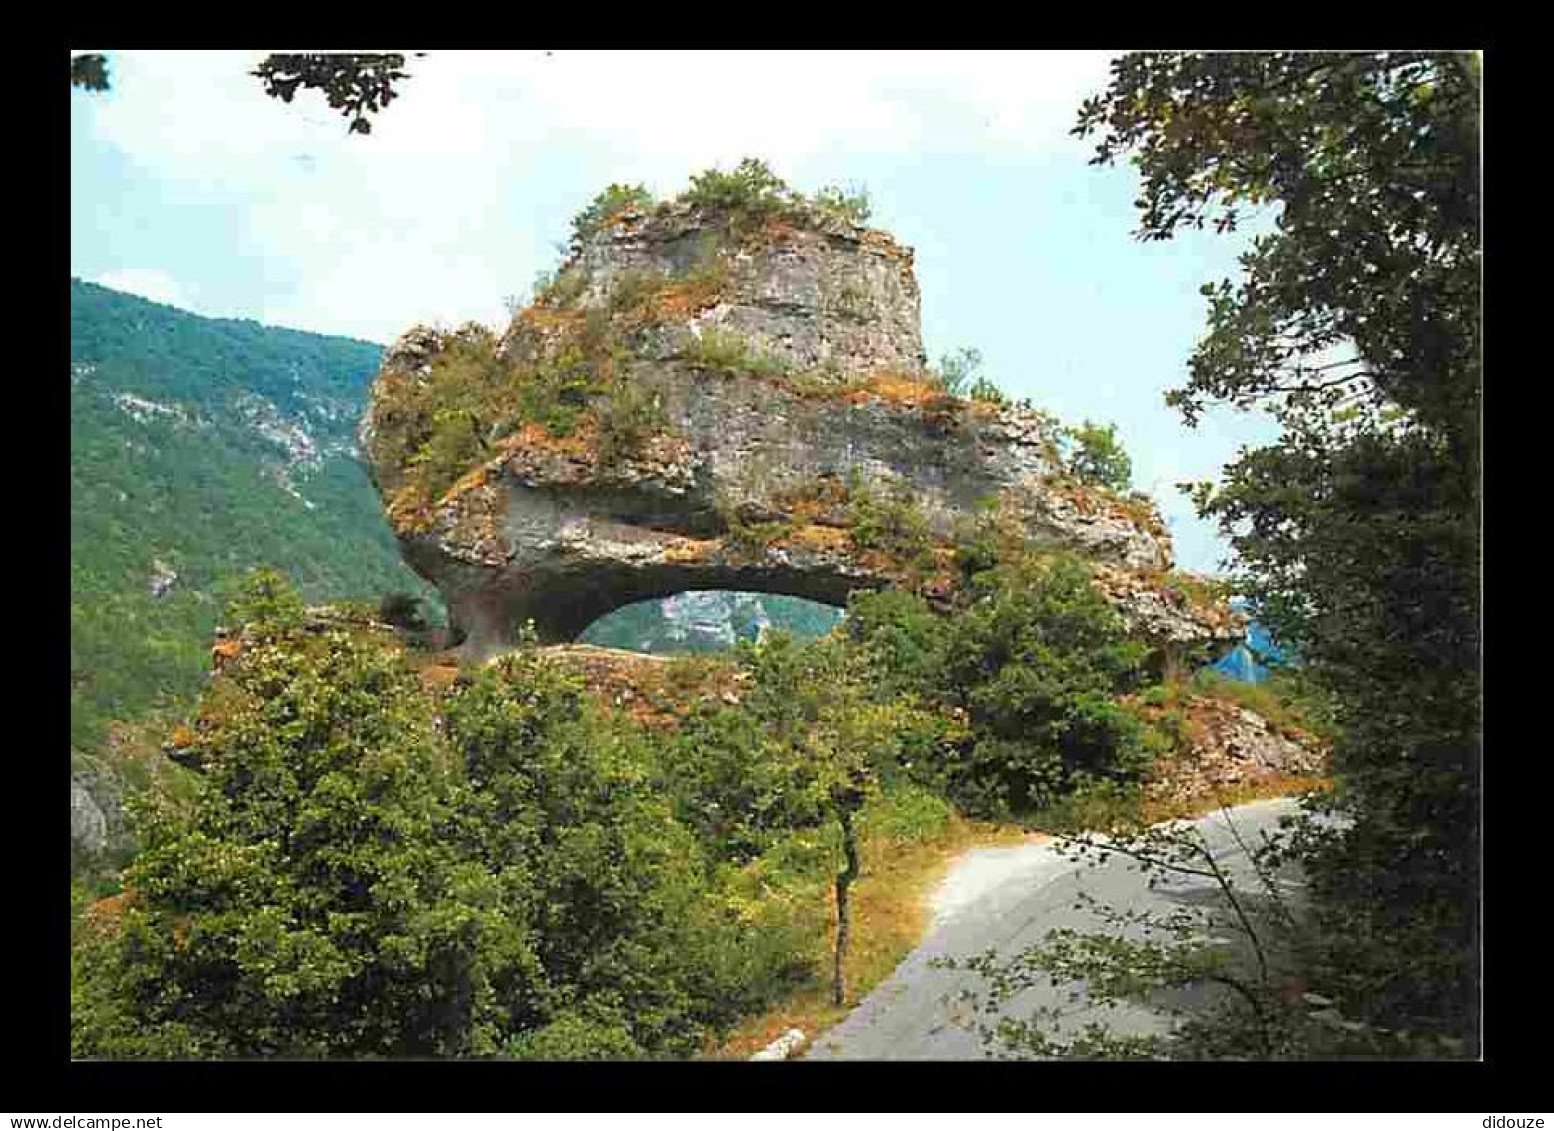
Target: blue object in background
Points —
{"points": [[1242, 661], [1242, 664]]}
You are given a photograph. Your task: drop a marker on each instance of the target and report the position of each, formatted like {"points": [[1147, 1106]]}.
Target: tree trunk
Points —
{"points": [[844, 880]]}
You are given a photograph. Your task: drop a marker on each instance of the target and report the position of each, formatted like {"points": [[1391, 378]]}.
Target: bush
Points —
{"points": [[891, 522], [907, 814], [751, 190], [560, 289], [289, 910], [904, 638], [369, 871], [629, 415], [1037, 662], [986, 391], [443, 425], [720, 351], [267, 603], [556, 391], [1098, 458], [634, 288], [956, 371], [605, 207], [851, 205], [737, 784]]}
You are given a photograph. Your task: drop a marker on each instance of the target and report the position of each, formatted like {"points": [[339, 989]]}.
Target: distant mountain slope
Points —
{"points": [[201, 448], [708, 621]]}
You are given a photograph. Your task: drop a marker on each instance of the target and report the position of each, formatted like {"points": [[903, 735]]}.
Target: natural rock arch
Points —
{"points": [[746, 412]]}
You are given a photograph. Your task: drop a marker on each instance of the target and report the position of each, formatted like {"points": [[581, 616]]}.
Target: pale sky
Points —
{"points": [[191, 187]]}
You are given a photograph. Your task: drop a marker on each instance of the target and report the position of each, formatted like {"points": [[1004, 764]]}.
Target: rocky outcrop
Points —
{"points": [[748, 411], [97, 823], [1228, 748], [812, 291]]}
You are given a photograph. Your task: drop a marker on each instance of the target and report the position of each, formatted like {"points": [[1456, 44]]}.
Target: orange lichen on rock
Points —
{"points": [[552, 320], [409, 511], [581, 443], [816, 536], [685, 298], [224, 651], [876, 240], [779, 231], [685, 550], [905, 389], [107, 915]]}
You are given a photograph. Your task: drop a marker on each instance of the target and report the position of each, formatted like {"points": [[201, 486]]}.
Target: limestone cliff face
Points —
{"points": [[748, 411], [816, 293]]}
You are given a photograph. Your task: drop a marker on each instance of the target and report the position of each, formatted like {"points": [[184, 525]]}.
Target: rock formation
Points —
{"points": [[703, 399], [97, 822], [1230, 748]]}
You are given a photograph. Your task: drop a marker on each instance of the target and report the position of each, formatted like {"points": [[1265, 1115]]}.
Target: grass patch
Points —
{"points": [[719, 351], [1103, 810], [1289, 705], [911, 838]]}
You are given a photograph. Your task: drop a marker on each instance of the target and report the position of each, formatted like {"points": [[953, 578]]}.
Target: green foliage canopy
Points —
{"points": [[357, 85], [369, 871], [1034, 663], [1357, 322]]}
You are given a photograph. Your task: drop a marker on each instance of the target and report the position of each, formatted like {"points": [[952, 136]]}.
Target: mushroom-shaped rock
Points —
{"points": [[696, 403]]}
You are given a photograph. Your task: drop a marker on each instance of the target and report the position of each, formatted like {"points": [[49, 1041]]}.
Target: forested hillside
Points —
{"points": [[201, 448]]}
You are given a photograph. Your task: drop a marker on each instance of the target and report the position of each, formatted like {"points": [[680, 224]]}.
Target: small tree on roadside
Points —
{"points": [[848, 744], [837, 737]]}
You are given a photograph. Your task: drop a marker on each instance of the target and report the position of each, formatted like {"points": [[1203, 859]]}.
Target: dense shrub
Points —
{"points": [[955, 371], [363, 872], [1036, 662], [750, 191], [851, 204], [892, 521]]}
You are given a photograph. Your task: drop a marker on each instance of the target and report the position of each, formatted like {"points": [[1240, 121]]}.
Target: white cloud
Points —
{"points": [[147, 282], [199, 114], [467, 178]]}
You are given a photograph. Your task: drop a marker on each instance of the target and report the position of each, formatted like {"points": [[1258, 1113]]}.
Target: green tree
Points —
{"points": [[852, 739], [1356, 321], [357, 85], [1098, 457], [1034, 663], [811, 742], [365, 869], [302, 903]]}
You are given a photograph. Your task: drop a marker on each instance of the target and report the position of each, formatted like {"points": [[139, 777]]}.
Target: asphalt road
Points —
{"points": [[1007, 899]]}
